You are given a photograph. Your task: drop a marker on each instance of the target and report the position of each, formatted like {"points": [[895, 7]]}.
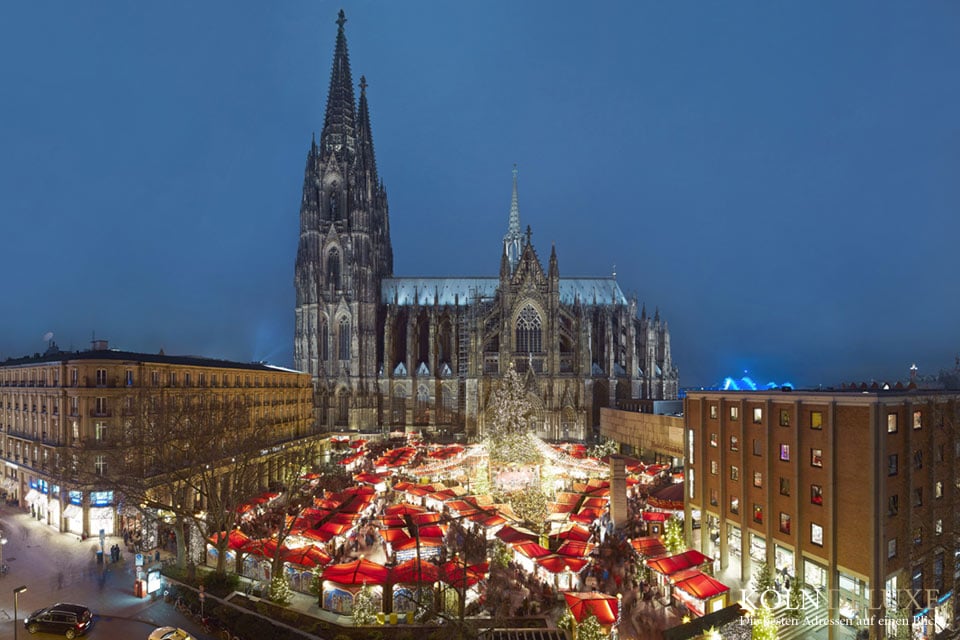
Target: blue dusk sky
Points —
{"points": [[781, 180]]}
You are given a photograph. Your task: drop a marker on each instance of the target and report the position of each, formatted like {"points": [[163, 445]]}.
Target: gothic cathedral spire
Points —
{"points": [[339, 132], [513, 240]]}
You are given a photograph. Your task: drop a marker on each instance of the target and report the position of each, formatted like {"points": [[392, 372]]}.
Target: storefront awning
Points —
{"points": [[701, 586]]}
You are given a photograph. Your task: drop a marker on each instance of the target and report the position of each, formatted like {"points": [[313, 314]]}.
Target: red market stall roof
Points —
{"points": [[565, 497], [701, 586], [411, 543], [403, 485], [360, 571], [575, 548], [264, 547], [309, 556], [558, 564], [403, 507], [572, 532], [235, 541], [672, 564], [511, 534], [649, 546], [453, 573], [601, 605], [531, 550], [462, 507], [395, 535], [586, 515], [655, 516], [408, 573], [350, 459], [670, 497], [594, 502], [371, 478], [315, 534], [334, 528]]}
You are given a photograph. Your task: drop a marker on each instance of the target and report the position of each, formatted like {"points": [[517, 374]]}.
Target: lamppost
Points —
{"points": [[3, 569], [16, 595]]}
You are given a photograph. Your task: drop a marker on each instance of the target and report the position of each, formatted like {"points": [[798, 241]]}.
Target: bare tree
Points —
{"points": [[195, 457]]}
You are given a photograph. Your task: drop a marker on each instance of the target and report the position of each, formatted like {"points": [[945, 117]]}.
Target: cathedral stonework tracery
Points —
{"points": [[427, 353]]}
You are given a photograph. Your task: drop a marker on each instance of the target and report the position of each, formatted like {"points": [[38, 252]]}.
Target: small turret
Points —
{"points": [[512, 240]]}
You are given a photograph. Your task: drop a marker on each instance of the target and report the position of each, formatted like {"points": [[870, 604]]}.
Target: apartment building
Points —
{"points": [[854, 493], [55, 403]]}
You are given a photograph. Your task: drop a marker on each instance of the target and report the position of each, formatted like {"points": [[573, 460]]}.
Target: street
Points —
{"points": [[57, 567]]}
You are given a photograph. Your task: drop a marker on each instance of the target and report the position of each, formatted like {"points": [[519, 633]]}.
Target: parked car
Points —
{"points": [[169, 633], [71, 620]]}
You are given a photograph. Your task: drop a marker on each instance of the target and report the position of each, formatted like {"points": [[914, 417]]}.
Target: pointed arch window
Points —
{"points": [[344, 339], [324, 336], [333, 268], [529, 331]]}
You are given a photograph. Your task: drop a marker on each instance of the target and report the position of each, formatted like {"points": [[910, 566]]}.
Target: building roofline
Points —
{"points": [[152, 358]]}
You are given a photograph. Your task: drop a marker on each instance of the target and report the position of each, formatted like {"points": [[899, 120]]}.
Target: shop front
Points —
{"points": [[73, 513]]}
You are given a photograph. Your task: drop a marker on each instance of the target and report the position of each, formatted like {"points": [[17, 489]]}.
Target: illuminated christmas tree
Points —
{"points": [[280, 591], [673, 535]]}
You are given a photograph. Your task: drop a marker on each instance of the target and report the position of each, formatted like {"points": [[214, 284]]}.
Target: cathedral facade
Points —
{"points": [[388, 352]]}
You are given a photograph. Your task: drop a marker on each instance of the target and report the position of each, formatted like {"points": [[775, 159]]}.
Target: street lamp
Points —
{"points": [[3, 572], [16, 595]]}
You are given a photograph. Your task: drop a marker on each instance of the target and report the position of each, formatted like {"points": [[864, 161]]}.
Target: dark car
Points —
{"points": [[71, 620]]}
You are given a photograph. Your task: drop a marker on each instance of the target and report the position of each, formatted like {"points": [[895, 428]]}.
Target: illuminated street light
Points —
{"points": [[16, 595]]}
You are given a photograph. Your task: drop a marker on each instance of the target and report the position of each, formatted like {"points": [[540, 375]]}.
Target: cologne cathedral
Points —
{"points": [[392, 353]]}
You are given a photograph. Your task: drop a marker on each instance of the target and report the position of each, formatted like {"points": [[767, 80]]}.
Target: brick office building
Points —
{"points": [[851, 492]]}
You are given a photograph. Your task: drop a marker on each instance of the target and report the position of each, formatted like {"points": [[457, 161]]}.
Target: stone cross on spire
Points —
{"points": [[341, 19]]}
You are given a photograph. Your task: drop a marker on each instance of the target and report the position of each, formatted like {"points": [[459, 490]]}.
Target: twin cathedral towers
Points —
{"points": [[389, 352]]}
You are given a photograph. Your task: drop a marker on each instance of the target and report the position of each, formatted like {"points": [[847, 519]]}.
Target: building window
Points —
{"points": [[938, 527], [714, 499], [816, 420], [917, 419], [734, 505], [918, 459], [891, 423], [101, 408], [938, 489], [757, 447], [344, 336], [333, 269], [816, 494], [101, 377], [816, 457], [528, 331], [172, 378], [918, 497], [784, 522], [758, 513], [734, 443], [784, 486], [734, 413], [100, 432], [128, 378], [323, 334], [713, 411], [713, 439], [892, 464], [757, 479], [784, 417], [816, 534], [757, 415], [714, 467], [938, 453], [892, 548], [785, 452], [735, 473], [893, 505], [100, 465], [155, 378], [918, 535]]}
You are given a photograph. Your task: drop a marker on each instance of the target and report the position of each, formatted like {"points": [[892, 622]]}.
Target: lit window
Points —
{"points": [[816, 420], [713, 439], [816, 494], [713, 411], [757, 415], [714, 500], [758, 513], [785, 452], [735, 473], [784, 486], [784, 522], [816, 534], [917, 419], [734, 413], [938, 527], [918, 535], [757, 479], [816, 457], [891, 423], [892, 548], [734, 504], [100, 465], [734, 443], [938, 489], [784, 417], [714, 467]]}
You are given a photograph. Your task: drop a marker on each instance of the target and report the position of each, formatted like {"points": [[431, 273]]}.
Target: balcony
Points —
{"points": [[102, 413]]}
